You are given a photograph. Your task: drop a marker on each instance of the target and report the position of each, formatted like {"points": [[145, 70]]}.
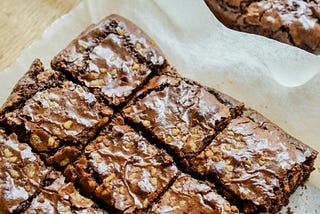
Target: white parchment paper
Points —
{"points": [[278, 80]]}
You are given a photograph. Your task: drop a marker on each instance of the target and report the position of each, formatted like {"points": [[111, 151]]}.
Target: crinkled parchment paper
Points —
{"points": [[278, 80]]}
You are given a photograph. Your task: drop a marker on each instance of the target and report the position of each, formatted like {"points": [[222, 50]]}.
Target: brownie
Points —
{"points": [[57, 121], [62, 197], [255, 163], [124, 170], [183, 115], [294, 22], [34, 80], [113, 58], [188, 195], [21, 173]]}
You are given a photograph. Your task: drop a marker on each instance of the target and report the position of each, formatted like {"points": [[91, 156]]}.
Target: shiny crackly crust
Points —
{"points": [[179, 112], [21, 173], [113, 58], [132, 172], [57, 115], [187, 195], [294, 22], [257, 162]]}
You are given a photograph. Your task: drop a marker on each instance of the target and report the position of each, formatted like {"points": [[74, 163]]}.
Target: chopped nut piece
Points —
{"points": [[51, 142], [261, 162], [145, 203], [12, 159], [175, 132], [109, 178], [22, 146], [56, 131], [97, 83], [184, 139], [143, 116], [146, 123], [209, 153], [112, 59], [121, 31], [122, 190], [234, 209], [229, 168], [7, 153], [168, 139], [68, 124], [103, 70], [154, 181], [31, 170], [13, 173], [73, 101], [228, 147], [135, 66], [64, 162], [182, 203], [227, 207], [230, 133], [113, 73], [138, 46], [35, 139]]}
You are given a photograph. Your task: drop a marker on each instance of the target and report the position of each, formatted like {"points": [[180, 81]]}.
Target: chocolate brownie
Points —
{"points": [[57, 120], [124, 169], [294, 22], [183, 115], [255, 163], [188, 195], [113, 58], [22, 173], [62, 197]]}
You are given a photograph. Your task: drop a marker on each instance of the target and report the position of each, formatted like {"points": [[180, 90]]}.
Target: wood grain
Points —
{"points": [[23, 21]]}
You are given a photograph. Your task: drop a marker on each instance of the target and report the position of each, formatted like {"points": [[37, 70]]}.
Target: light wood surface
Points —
{"points": [[23, 21]]}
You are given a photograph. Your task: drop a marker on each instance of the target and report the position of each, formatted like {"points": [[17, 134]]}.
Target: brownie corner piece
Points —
{"points": [[22, 173], [112, 58], [189, 195], [124, 170], [37, 78], [257, 163]]}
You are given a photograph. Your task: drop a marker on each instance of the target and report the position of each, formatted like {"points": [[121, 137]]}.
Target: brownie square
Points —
{"points": [[124, 169], [61, 197], [255, 163], [182, 115], [112, 58], [22, 173], [188, 195], [57, 121]]}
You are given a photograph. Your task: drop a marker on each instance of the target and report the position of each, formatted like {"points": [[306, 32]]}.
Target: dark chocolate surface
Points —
{"points": [[294, 22]]}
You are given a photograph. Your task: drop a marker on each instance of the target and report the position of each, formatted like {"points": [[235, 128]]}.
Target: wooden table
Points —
{"points": [[23, 21]]}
